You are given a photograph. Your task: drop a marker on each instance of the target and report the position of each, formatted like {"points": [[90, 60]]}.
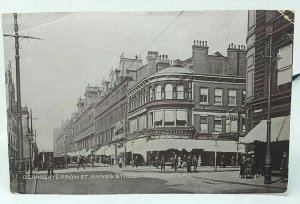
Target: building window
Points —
{"points": [[203, 95], [141, 122], [203, 124], [133, 125], [179, 92], [243, 97], [152, 93], [169, 117], [231, 125], [243, 124], [151, 119], [249, 87], [169, 91], [251, 18], [218, 125], [190, 90], [145, 97], [284, 66], [158, 118], [218, 96], [251, 56], [181, 117], [231, 97], [158, 92]]}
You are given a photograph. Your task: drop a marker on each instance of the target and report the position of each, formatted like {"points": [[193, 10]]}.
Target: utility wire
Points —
{"points": [[164, 30]]}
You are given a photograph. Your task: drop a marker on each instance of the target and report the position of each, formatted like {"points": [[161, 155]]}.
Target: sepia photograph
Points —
{"points": [[148, 102]]}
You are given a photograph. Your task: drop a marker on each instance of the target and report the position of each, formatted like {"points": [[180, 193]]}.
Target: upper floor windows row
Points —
{"points": [[218, 96], [160, 92]]}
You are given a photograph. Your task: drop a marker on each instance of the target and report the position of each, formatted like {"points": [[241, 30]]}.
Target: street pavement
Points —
{"points": [[103, 179]]}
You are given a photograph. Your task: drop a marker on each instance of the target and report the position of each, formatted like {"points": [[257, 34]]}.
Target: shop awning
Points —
{"points": [[101, 151], [188, 145], [280, 131]]}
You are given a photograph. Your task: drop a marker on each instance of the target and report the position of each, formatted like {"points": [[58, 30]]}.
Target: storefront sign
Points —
{"points": [[183, 132]]}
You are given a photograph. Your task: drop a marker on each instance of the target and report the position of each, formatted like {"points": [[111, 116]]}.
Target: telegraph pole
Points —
{"points": [[21, 161]]}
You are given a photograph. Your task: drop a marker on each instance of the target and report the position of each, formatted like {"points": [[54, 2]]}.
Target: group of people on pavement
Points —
{"points": [[191, 162], [249, 168]]}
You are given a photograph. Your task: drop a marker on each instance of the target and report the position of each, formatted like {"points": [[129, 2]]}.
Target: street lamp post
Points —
{"points": [[132, 152], [268, 170], [215, 137]]}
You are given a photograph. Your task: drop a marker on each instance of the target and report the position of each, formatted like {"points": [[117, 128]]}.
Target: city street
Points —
{"points": [[112, 179]]}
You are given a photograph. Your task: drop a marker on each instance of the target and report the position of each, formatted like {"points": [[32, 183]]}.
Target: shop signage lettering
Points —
{"points": [[169, 132]]}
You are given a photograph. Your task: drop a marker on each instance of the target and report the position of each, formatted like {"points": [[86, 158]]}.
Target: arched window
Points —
{"points": [[158, 92], [169, 91], [179, 92]]}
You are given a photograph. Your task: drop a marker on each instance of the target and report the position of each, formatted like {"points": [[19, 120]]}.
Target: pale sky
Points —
{"points": [[80, 48]]}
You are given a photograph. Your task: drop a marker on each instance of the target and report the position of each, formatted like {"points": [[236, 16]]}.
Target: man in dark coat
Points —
{"points": [[50, 166], [242, 166], [80, 162], [195, 163], [163, 163], [188, 164], [284, 166], [175, 162]]}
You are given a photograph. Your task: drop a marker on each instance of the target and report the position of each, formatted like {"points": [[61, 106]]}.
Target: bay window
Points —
{"points": [[181, 117], [158, 118], [179, 92], [158, 92], [169, 91], [169, 117]]}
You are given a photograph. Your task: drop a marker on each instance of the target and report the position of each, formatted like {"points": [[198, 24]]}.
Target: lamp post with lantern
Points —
{"points": [[215, 136]]}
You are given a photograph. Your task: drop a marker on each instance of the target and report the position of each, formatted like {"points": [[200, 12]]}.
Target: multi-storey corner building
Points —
{"points": [[269, 50], [166, 104]]}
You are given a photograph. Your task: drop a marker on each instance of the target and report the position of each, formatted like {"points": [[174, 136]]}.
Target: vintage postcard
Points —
{"points": [[148, 102]]}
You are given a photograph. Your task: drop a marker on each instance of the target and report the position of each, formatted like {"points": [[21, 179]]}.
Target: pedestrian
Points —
{"points": [[242, 166], [188, 164], [120, 162], [66, 161], [200, 160], [222, 163], [93, 160], [232, 161], [254, 167], [80, 162], [163, 163], [50, 166], [175, 162], [195, 163], [179, 162], [136, 161], [248, 167], [156, 161], [284, 167]]}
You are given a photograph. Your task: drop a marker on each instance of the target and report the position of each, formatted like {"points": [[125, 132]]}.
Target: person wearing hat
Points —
{"points": [[284, 166]]}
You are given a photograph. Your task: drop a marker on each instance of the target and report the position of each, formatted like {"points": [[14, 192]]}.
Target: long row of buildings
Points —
{"points": [[30, 148], [183, 104]]}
